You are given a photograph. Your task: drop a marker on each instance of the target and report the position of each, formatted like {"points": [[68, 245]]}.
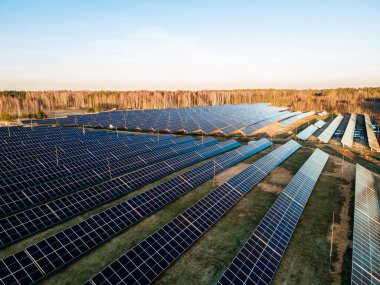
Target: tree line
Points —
{"points": [[343, 100]]}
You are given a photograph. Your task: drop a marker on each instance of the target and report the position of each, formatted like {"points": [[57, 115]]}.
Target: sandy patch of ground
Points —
{"points": [[276, 181], [299, 123], [270, 130], [341, 229], [313, 139], [276, 129], [230, 172]]}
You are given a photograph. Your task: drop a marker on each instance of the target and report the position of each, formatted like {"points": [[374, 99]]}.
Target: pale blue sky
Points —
{"points": [[138, 44]]}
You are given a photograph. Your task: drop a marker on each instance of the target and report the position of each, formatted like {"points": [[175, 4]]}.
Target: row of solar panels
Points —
{"points": [[147, 260], [366, 231], [294, 119], [24, 168], [74, 181], [151, 257], [372, 140], [79, 201], [311, 129], [348, 136], [225, 119], [259, 258], [84, 236]]}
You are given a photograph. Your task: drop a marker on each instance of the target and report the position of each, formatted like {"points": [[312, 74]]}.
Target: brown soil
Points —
{"points": [[363, 152], [341, 229], [270, 130], [276, 181], [230, 172], [276, 129], [302, 121]]}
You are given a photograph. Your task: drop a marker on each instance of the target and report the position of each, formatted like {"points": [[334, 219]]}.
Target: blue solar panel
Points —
{"points": [[209, 120], [326, 135], [319, 124], [71, 243], [259, 258], [306, 133], [28, 222], [366, 232], [147, 260], [35, 195], [296, 118], [91, 165]]}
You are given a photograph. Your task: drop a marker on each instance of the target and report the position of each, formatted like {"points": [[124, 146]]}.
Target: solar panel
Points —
{"points": [[296, 118], [41, 217], [272, 119], [93, 161], [366, 231], [19, 269], [46, 158], [209, 119], [372, 140], [38, 194], [259, 258], [147, 260], [320, 124], [348, 135], [65, 246], [306, 133], [326, 135]]}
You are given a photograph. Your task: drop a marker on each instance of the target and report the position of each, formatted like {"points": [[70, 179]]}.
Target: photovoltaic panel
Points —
{"points": [[372, 140], [65, 151], [19, 269], [147, 260], [66, 245], [93, 164], [348, 135], [320, 124], [306, 133], [267, 121], [326, 135], [259, 258], [35, 195], [366, 232], [41, 217], [291, 120], [25, 164], [207, 119]]}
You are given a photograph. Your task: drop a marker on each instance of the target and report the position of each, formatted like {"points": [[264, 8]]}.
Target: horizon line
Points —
{"points": [[193, 90]]}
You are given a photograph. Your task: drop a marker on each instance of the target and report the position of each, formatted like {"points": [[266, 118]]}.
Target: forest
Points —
{"points": [[345, 100]]}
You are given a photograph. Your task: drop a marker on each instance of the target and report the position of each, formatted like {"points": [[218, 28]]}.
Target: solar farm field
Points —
{"points": [[188, 196]]}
